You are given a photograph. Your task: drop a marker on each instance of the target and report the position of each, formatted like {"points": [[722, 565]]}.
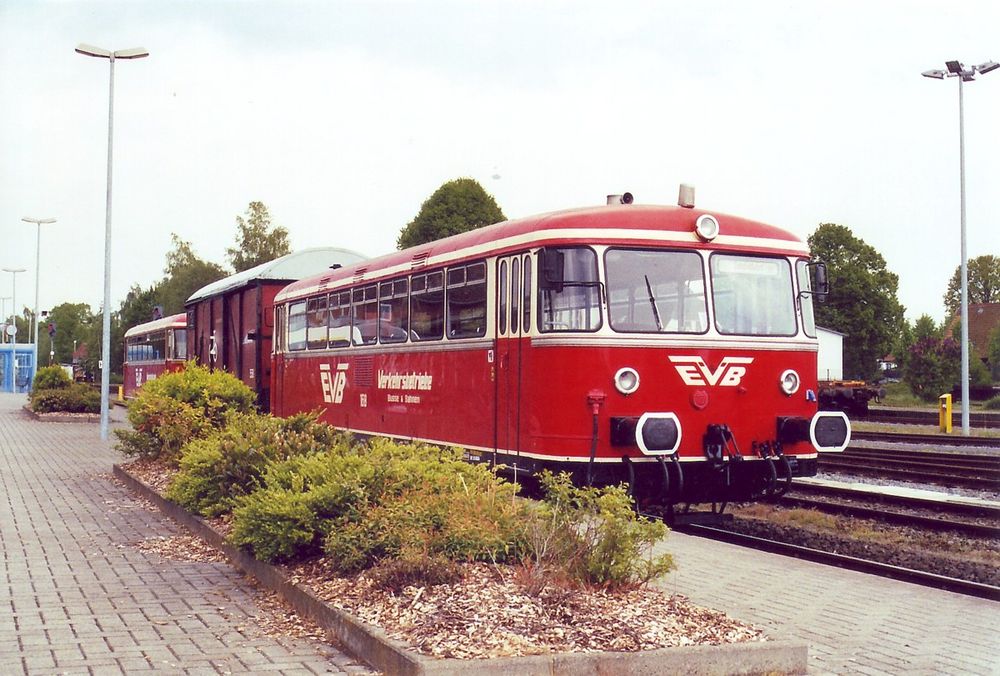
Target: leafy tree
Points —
{"points": [[185, 274], [457, 206], [72, 322], [993, 353], [933, 366], [984, 283], [256, 240], [862, 302]]}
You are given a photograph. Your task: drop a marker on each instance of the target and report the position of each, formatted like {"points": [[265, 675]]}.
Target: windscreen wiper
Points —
{"points": [[652, 303]]}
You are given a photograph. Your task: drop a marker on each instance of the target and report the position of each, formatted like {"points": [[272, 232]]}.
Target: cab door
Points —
{"points": [[513, 273]]}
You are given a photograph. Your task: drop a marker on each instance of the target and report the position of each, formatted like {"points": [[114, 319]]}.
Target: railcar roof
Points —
{"points": [[627, 223], [178, 321], [293, 266]]}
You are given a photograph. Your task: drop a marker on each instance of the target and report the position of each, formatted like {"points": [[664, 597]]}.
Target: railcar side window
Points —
{"points": [[365, 308], [393, 315], [806, 298], [180, 344], [427, 306], [572, 304], [752, 295], [655, 291], [526, 298], [316, 323], [515, 294], [339, 314], [297, 326], [502, 328], [467, 301]]}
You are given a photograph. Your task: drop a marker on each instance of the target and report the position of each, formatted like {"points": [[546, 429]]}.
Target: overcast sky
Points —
{"points": [[343, 117]]}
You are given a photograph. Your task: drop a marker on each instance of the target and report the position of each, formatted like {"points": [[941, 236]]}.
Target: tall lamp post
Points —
{"points": [[13, 341], [964, 74], [3, 317], [38, 264], [134, 53]]}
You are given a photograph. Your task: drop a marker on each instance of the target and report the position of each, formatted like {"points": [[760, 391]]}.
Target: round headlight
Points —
{"points": [[790, 382], [627, 380], [707, 227]]}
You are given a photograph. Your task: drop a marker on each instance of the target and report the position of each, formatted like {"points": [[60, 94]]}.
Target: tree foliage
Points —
{"points": [[457, 206], [993, 353], [984, 283], [257, 241], [184, 274], [862, 302]]}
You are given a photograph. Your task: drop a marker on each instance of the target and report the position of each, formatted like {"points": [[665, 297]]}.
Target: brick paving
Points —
{"points": [[78, 597], [854, 623]]}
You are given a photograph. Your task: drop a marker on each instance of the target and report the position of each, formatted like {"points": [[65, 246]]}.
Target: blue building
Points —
{"points": [[23, 353]]}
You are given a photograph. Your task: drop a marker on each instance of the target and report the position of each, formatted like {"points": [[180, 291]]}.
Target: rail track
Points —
{"points": [[979, 472], [928, 440], [979, 419], [978, 589]]}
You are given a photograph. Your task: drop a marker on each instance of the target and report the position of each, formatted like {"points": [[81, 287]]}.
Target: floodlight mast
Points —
{"points": [[957, 69], [100, 52]]}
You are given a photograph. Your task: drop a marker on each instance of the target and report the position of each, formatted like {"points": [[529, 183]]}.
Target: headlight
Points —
{"points": [[707, 227], [627, 380], [790, 382]]}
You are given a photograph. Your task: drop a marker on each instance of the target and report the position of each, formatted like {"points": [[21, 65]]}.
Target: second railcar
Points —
{"points": [[152, 349]]}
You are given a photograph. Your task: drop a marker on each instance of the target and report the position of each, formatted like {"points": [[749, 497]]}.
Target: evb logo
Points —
{"points": [[333, 383], [694, 371]]}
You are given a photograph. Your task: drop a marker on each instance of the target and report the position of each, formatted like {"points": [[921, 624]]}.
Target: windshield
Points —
{"points": [[574, 303], [752, 295], [656, 291]]}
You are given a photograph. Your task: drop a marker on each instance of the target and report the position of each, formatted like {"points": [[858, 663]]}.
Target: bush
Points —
{"points": [[76, 398], [592, 536], [51, 378], [992, 404], [383, 501], [217, 470], [181, 406]]}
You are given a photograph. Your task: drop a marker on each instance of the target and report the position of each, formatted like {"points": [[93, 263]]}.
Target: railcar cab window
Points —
{"points": [[806, 297], [365, 321], [467, 301], [297, 326], [569, 297], [393, 318], [752, 295], [427, 306], [656, 291], [316, 323], [339, 315]]}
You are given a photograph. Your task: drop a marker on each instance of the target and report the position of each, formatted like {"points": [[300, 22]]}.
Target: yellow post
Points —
{"points": [[944, 413], [121, 393]]}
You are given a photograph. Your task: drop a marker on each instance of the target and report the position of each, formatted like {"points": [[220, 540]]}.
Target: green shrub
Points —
{"points": [[275, 524], [592, 536], [181, 406], [76, 398], [51, 378], [230, 463], [992, 404]]}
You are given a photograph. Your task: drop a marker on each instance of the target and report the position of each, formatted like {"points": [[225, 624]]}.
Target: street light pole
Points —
{"points": [[964, 74], [134, 53], [13, 341], [38, 264]]}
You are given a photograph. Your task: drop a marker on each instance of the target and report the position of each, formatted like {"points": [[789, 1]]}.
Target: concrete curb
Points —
{"points": [[62, 417], [388, 655]]}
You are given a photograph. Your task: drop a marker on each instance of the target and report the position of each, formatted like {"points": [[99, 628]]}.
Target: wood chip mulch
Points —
{"points": [[488, 614]]}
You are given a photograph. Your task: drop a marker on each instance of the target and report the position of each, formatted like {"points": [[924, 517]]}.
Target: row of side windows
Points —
{"points": [[421, 307], [154, 346]]}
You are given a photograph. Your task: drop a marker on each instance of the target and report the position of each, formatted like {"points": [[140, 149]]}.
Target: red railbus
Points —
{"points": [[156, 347], [666, 347]]}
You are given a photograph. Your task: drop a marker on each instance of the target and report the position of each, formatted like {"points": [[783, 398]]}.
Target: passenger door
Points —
{"points": [[512, 326]]}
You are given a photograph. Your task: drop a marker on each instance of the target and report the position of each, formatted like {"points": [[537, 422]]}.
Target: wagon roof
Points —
{"points": [[288, 268], [631, 223], [178, 321]]}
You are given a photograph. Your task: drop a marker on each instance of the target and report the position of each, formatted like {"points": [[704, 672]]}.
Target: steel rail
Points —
{"points": [[967, 587], [888, 516], [933, 440], [964, 508], [915, 476]]}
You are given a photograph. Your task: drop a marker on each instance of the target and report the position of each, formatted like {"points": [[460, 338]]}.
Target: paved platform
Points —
{"points": [[78, 597]]}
